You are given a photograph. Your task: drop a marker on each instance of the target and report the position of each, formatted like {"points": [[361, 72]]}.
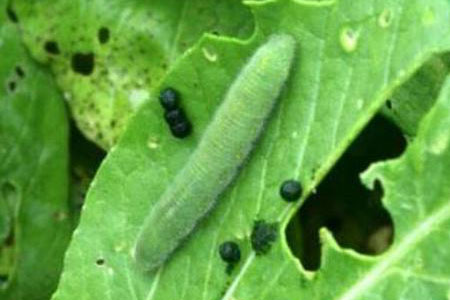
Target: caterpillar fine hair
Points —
{"points": [[224, 147]]}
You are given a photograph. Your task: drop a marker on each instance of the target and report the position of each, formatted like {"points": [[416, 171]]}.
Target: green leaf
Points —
{"points": [[417, 196], [33, 173], [145, 38], [413, 100], [350, 57]]}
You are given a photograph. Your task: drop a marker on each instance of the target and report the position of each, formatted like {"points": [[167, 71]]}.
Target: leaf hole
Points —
{"points": [[385, 18], [52, 47], [349, 39], [100, 262], [354, 214], [103, 35], [83, 63]]}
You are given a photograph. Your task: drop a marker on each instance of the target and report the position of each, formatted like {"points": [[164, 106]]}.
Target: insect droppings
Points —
{"points": [[175, 116], [230, 252], [181, 130], [263, 235], [291, 190], [169, 98]]}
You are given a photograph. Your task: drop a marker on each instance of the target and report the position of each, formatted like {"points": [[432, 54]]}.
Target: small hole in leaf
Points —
{"points": [[52, 47], [354, 214], [83, 63], [103, 35], [100, 262], [385, 18]]}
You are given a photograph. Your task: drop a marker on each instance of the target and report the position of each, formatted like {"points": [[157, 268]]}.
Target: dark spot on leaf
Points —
{"points": [[100, 262], [83, 63], [11, 238], [389, 104], [11, 14], [263, 236], [3, 279], [12, 86], [52, 47], [229, 269], [60, 216], [103, 35], [20, 72]]}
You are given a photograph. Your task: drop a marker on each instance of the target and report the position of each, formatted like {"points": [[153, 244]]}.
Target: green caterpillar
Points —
{"points": [[224, 147]]}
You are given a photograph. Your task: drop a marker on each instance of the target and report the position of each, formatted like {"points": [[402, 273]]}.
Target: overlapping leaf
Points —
{"points": [[413, 100], [107, 55], [33, 173]]}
